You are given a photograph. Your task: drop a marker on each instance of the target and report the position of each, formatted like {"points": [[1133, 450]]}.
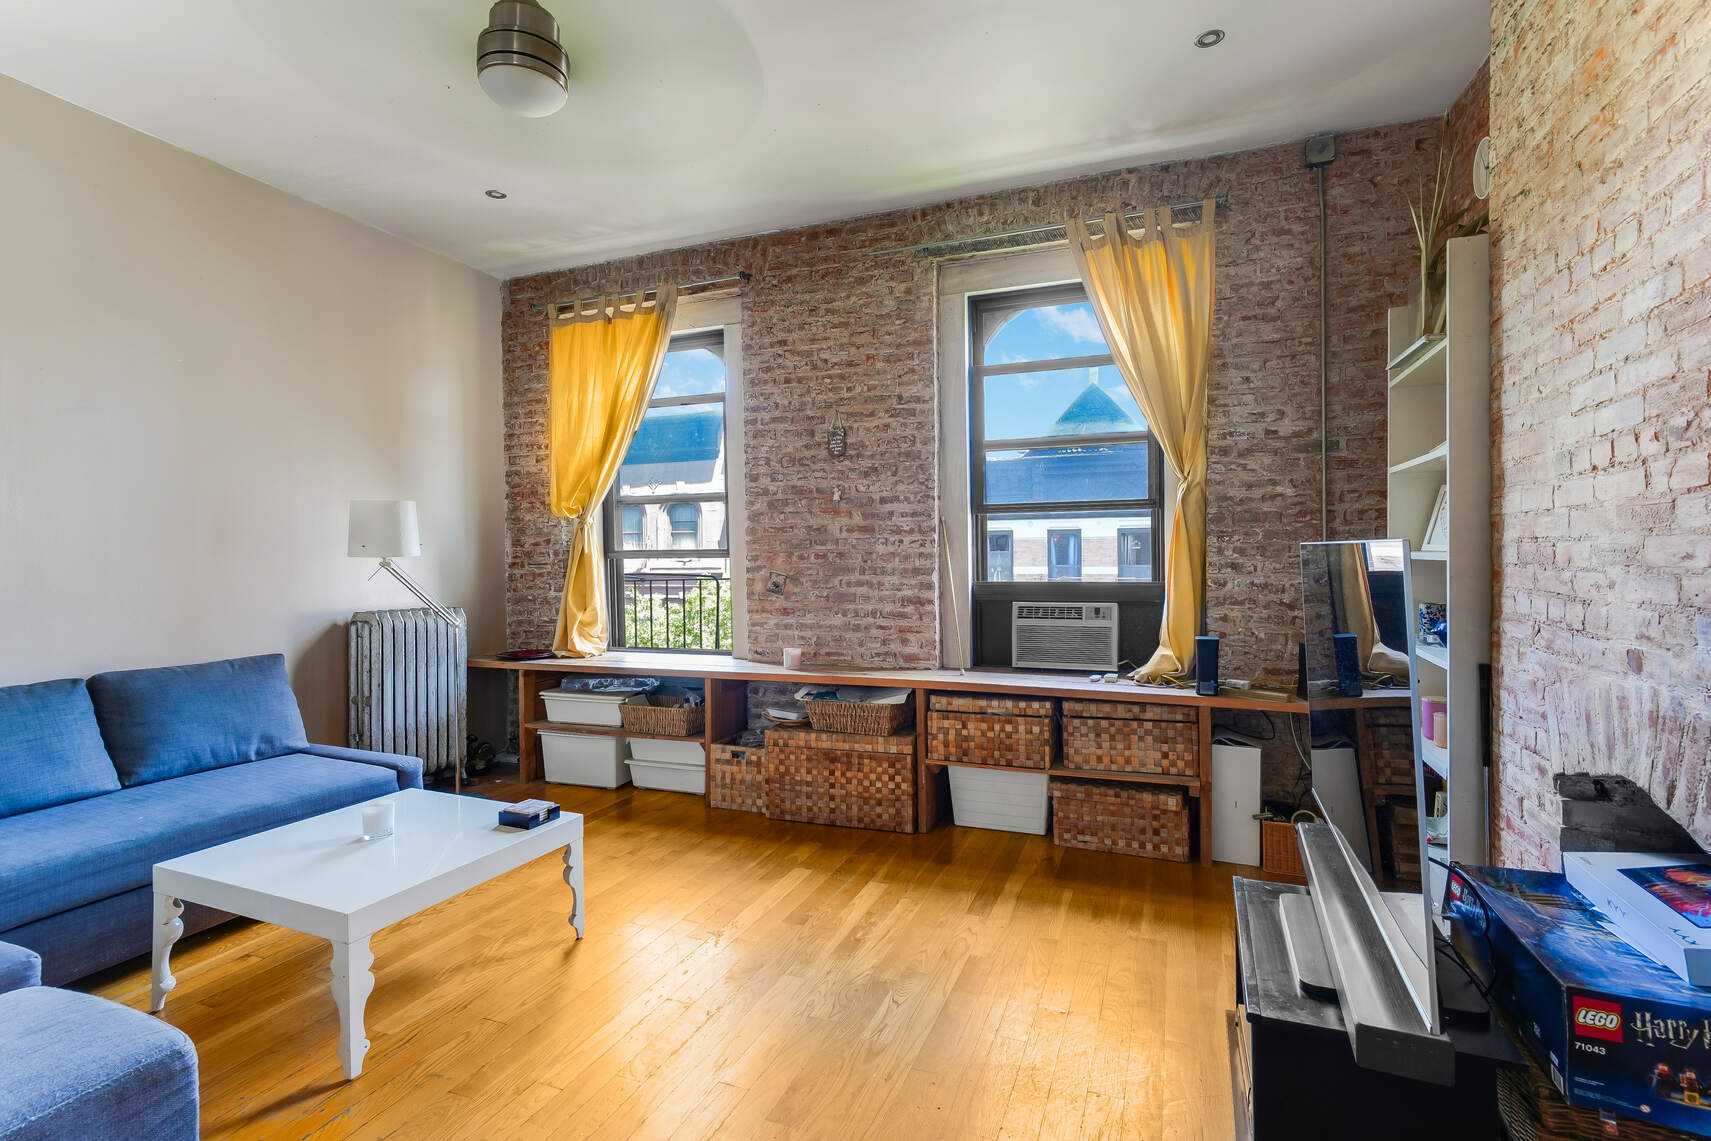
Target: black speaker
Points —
{"points": [[1348, 665], [1206, 666]]}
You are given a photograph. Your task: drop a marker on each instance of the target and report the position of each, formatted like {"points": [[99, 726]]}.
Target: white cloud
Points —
{"points": [[1074, 321]]}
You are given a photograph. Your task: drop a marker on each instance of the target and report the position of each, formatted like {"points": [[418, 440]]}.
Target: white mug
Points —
{"points": [[377, 819], [793, 657]]}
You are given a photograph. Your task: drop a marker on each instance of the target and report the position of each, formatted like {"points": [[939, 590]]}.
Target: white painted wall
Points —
{"points": [[197, 372]]}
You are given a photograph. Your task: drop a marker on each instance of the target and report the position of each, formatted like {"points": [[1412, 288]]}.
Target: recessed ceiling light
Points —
{"points": [[1210, 38], [495, 194]]}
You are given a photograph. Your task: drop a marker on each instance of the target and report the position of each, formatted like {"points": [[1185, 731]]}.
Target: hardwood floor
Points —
{"points": [[742, 978]]}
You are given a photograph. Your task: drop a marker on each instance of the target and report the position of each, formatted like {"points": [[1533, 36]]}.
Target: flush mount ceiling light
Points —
{"points": [[1210, 38], [494, 194], [519, 61]]}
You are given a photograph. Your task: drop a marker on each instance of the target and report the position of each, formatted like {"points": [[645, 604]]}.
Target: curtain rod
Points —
{"points": [[741, 277], [1220, 202]]}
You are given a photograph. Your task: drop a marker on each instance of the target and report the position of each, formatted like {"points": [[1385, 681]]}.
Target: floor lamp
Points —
{"points": [[387, 529]]}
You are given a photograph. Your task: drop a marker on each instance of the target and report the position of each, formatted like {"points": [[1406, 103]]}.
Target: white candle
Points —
{"points": [[377, 820], [792, 657]]}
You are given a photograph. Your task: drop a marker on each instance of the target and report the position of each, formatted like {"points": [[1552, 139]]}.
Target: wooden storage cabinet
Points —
{"points": [[1137, 737], [848, 779], [1136, 820], [1009, 731]]}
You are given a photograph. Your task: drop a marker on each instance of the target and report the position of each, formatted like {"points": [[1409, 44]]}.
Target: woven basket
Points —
{"points": [[869, 719], [1279, 853], [738, 779], [1109, 736], [668, 720], [1404, 819], [1392, 734], [1533, 1110], [997, 706], [1019, 732], [1132, 711], [1131, 819], [851, 780]]}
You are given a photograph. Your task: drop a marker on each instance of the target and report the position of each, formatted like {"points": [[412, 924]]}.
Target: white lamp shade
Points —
{"points": [[384, 529], [522, 90]]}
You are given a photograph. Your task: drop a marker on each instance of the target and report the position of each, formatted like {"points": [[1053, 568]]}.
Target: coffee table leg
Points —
{"points": [[352, 984], [573, 877], [167, 928]]}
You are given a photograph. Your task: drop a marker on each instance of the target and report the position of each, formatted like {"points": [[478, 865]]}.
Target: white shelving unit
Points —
{"points": [[1440, 437]]}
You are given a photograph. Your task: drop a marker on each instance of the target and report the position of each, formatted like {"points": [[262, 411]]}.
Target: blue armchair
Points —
{"points": [[74, 1067]]}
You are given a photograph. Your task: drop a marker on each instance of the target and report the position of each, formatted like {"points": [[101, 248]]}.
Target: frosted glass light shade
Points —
{"points": [[384, 529], [522, 90]]}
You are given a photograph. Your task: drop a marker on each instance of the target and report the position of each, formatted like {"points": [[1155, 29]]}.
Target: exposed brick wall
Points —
{"points": [[1601, 122], [1468, 121], [825, 326]]}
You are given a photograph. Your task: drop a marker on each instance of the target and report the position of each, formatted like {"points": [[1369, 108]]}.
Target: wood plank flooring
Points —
{"points": [[742, 978]]}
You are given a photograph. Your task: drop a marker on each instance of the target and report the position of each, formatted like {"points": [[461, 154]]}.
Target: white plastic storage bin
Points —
{"points": [[669, 777], [584, 708], [668, 752], [579, 758], [1008, 802]]}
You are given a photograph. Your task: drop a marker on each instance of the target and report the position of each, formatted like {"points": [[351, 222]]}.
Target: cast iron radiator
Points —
{"points": [[408, 686]]}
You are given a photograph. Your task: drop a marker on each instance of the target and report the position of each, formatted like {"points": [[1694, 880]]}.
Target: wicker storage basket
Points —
{"points": [[851, 780], [1533, 1110], [1136, 820], [1404, 821], [1279, 853], [1131, 737], [642, 716], [991, 731], [1391, 732], [866, 718], [738, 779]]}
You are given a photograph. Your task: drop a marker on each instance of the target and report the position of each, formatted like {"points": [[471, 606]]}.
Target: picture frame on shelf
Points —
{"points": [[1437, 537]]}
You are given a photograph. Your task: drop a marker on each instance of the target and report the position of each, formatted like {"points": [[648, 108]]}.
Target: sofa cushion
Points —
{"points": [[50, 747], [168, 722], [72, 854], [76, 1066]]}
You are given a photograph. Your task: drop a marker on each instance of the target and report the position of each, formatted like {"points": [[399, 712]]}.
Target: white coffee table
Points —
{"points": [[319, 877]]}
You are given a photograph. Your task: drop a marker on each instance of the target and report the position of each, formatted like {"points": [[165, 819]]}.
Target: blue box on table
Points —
{"points": [[1619, 1032]]}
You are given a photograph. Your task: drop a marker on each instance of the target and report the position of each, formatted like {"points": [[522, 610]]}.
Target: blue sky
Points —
{"points": [[1017, 405], [694, 372], [1026, 404]]}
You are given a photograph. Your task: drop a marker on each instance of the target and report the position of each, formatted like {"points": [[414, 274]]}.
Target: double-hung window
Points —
{"points": [[1066, 483], [668, 564]]}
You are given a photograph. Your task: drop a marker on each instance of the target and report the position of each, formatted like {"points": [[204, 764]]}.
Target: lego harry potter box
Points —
{"points": [[1618, 1031]]}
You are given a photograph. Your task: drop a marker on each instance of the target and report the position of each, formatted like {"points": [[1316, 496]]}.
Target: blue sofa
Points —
{"points": [[74, 1067], [102, 779]]}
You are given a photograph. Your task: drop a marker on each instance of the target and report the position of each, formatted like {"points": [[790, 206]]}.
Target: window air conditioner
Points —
{"points": [[1063, 635]]}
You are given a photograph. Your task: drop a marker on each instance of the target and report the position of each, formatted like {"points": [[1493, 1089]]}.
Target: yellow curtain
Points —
{"points": [[601, 366], [1153, 297]]}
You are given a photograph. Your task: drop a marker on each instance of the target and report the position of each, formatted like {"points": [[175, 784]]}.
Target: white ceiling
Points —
{"points": [[693, 119]]}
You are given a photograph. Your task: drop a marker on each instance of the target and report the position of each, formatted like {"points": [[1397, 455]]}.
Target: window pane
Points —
{"points": [[685, 519], [1070, 474], [631, 531], [676, 450], [675, 526], [999, 562], [1063, 554], [671, 605], [1059, 402], [690, 372], [1135, 554], [1044, 332], [1071, 547]]}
